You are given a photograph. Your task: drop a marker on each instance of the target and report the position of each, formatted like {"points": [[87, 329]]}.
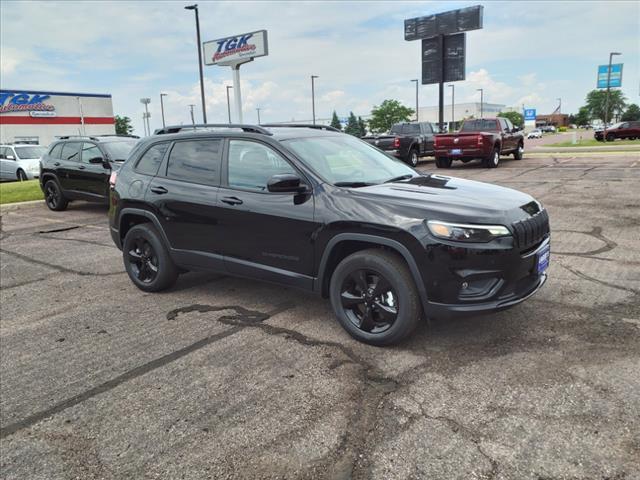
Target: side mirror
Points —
{"points": [[286, 183], [99, 161]]}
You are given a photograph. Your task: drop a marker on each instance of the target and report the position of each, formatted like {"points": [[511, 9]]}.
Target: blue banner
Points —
{"points": [[529, 113], [615, 79]]}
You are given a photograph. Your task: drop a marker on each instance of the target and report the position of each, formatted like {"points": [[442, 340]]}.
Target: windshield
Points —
{"points": [[30, 152], [119, 151], [345, 159], [479, 125]]}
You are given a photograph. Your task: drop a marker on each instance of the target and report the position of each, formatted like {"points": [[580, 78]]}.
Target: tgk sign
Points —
{"points": [[24, 102], [236, 49]]}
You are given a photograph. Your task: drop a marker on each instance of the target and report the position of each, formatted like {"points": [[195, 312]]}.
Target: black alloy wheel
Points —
{"points": [[53, 197], [369, 301], [143, 260]]}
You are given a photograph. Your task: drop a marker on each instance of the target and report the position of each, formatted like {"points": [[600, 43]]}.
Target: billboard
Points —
{"points": [[446, 23], [615, 79], [453, 68], [236, 49], [529, 113]]}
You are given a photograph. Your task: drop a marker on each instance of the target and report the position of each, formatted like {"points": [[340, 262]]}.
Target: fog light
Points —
{"points": [[464, 285]]}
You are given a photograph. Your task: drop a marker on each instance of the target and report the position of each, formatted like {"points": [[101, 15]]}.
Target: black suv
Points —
{"points": [[78, 168], [325, 212]]}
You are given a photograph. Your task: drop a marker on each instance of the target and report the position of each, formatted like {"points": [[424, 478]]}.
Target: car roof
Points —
{"points": [[277, 133]]}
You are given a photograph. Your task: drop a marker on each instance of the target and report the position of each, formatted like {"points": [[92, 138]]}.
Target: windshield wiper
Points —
{"points": [[406, 176], [353, 184]]}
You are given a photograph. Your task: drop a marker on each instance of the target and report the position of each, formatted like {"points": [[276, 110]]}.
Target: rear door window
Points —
{"points": [[196, 161], [71, 151], [151, 159], [3, 152]]}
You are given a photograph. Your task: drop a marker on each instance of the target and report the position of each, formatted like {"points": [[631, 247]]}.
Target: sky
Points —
{"points": [[529, 53]]}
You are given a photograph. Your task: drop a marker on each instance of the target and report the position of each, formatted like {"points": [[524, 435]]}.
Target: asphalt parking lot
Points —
{"points": [[228, 378]]}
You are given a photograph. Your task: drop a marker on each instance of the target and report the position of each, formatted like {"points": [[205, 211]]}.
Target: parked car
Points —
{"points": [[20, 162], [537, 133], [328, 213], [622, 130], [548, 129], [78, 168], [406, 141], [486, 139]]}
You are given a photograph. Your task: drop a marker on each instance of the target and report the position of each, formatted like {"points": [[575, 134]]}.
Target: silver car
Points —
{"points": [[20, 162]]}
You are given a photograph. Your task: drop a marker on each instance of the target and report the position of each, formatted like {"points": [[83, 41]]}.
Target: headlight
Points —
{"points": [[467, 233]]}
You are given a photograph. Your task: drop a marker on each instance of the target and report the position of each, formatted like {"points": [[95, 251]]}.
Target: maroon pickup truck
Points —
{"points": [[485, 138]]}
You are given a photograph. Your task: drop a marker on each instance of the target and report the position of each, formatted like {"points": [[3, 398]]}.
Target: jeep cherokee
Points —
{"points": [[326, 212]]}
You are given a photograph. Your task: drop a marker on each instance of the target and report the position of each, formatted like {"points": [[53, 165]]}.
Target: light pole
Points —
{"points": [[146, 102], [194, 7], [193, 121], [313, 98], [606, 101], [481, 90], [258, 110], [162, 108], [229, 103], [417, 110], [453, 99]]}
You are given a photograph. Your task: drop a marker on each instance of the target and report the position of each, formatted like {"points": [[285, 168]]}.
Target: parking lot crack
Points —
{"points": [[59, 268]]}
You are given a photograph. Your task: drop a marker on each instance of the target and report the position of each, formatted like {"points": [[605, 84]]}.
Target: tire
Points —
{"points": [[519, 153], [147, 260], [493, 160], [610, 137], [443, 162], [377, 318], [21, 175], [412, 157], [53, 196]]}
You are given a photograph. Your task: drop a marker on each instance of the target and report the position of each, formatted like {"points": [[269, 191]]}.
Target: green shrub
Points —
{"points": [[562, 129]]}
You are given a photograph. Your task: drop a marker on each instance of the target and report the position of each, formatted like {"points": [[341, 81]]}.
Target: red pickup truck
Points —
{"points": [[485, 138]]}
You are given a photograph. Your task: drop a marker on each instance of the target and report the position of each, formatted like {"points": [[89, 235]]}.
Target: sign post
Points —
{"points": [[443, 46], [234, 51]]}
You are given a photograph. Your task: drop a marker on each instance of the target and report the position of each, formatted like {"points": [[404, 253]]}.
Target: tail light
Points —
{"points": [[480, 140], [112, 179], [396, 142]]}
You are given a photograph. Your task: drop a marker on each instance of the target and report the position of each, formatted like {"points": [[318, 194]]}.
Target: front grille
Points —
{"points": [[532, 230]]}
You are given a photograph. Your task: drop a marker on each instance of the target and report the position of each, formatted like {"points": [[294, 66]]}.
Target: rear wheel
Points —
{"points": [[412, 157], [519, 153], [610, 137], [147, 260], [443, 162], [493, 160], [21, 175], [54, 197], [374, 297]]}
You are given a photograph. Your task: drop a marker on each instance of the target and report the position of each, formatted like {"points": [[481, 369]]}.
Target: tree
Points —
{"points": [[362, 127], [335, 121], [388, 113], [596, 100], [352, 127], [631, 113], [583, 117], [123, 125], [514, 117]]}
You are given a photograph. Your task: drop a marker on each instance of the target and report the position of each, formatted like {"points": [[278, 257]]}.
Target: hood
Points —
{"points": [[454, 199]]}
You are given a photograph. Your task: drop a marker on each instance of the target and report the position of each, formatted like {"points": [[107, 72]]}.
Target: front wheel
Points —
{"points": [[374, 297], [494, 159], [610, 137], [412, 157], [519, 153], [147, 260], [53, 196], [443, 162]]}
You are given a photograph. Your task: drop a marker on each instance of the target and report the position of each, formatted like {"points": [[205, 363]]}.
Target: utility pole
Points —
{"points": [[229, 103], [193, 121], [481, 90], [146, 102], [453, 102], [258, 110], [606, 102], [417, 106], [313, 98], [194, 7], [162, 107]]}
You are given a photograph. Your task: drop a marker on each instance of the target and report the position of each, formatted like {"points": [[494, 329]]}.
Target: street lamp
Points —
{"points": [[606, 102], [416, 80], [481, 90], [228, 103], [313, 98], [146, 102], [258, 110], [453, 97], [162, 107], [194, 7]]}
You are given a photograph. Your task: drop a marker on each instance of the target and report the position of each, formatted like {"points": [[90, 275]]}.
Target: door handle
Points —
{"points": [[81, 167], [231, 200], [57, 164], [159, 190]]}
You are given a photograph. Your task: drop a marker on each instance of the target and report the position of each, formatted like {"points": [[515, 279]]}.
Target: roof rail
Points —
{"points": [[66, 137], [241, 126], [118, 135], [300, 125]]}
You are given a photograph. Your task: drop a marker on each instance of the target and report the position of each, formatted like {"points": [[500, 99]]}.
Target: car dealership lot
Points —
{"points": [[224, 377]]}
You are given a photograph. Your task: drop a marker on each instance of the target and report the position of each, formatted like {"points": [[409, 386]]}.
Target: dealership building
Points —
{"points": [[37, 117]]}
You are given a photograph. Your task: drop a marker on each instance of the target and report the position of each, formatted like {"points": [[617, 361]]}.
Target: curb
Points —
{"points": [[19, 205], [621, 148]]}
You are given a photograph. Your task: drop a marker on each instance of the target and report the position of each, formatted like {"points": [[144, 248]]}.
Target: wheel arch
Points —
{"points": [[344, 244], [129, 217]]}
